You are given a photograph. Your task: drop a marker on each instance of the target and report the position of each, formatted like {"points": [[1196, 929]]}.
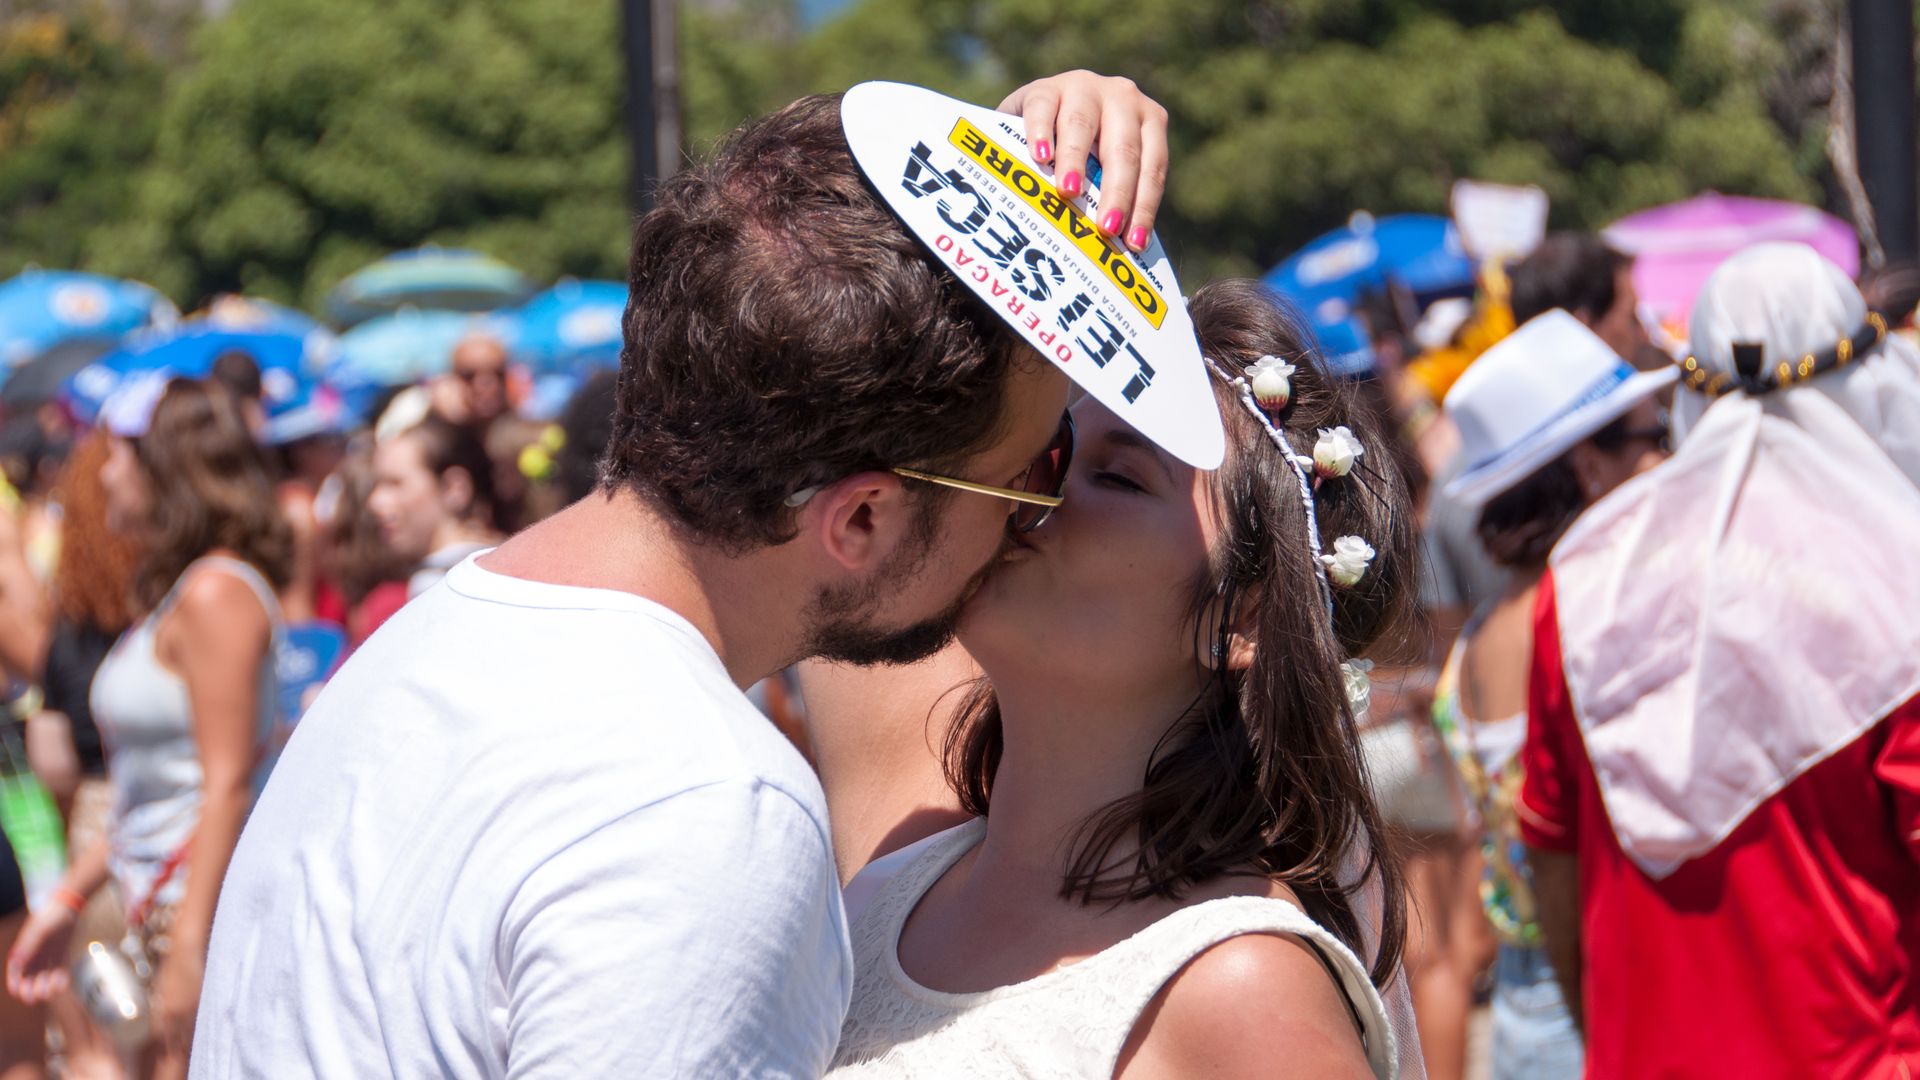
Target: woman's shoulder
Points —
{"points": [[1261, 983], [1248, 1006]]}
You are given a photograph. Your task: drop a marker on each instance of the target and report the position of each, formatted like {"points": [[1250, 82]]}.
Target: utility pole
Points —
{"points": [[650, 41], [1883, 108]]}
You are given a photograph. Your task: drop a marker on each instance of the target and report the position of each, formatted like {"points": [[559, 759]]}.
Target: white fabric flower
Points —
{"points": [[1335, 451], [1348, 563], [1272, 382]]}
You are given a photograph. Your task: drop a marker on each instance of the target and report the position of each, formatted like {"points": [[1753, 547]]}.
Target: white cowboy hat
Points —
{"points": [[1533, 396]]}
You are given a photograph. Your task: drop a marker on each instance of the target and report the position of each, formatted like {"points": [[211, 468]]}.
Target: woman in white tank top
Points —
{"points": [[1170, 872], [185, 701]]}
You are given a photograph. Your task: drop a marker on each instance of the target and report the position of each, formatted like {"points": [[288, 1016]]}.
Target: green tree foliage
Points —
{"points": [[310, 137], [77, 119], [306, 138], [1287, 115]]}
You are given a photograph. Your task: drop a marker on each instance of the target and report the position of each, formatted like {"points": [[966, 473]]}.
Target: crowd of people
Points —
{"points": [[153, 566], [1543, 667]]}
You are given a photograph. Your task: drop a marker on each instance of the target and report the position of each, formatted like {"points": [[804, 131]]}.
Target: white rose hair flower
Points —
{"points": [[1272, 382], [1335, 451], [1348, 563]]}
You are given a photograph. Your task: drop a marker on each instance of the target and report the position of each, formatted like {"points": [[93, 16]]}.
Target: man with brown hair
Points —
{"points": [[1584, 275], [533, 828]]}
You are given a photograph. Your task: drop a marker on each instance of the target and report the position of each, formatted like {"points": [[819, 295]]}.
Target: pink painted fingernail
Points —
{"points": [[1070, 184], [1111, 222], [1042, 150], [1137, 239]]}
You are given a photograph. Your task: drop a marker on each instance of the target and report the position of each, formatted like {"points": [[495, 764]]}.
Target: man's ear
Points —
{"points": [[859, 520]]}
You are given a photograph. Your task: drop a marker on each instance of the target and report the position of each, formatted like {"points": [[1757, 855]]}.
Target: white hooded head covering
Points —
{"points": [[1736, 615]]}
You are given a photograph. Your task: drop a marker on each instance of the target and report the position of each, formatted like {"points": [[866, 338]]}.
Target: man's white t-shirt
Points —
{"points": [[530, 831]]}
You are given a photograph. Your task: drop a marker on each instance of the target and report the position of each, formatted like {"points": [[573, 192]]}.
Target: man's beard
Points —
{"points": [[842, 630]]}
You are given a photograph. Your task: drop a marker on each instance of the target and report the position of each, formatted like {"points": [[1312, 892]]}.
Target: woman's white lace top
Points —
{"points": [[1069, 1022]]}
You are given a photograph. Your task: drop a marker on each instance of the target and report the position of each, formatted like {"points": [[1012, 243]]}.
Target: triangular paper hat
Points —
{"points": [[962, 179]]}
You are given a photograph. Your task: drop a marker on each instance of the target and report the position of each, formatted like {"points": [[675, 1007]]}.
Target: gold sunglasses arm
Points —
{"points": [[1027, 497]]}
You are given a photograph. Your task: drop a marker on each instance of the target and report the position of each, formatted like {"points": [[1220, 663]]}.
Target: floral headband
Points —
{"points": [[1265, 391]]}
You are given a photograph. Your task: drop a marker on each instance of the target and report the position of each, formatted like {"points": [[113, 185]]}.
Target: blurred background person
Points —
{"points": [[587, 426], [1450, 947], [474, 392], [25, 626], [238, 373], [23, 1048], [186, 699], [1581, 274], [303, 458], [30, 461], [1893, 290], [433, 497], [1540, 447], [1722, 789], [372, 577], [92, 586], [1576, 272], [92, 591], [482, 392]]}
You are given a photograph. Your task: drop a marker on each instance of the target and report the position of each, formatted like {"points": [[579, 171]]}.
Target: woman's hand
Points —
{"points": [[1065, 114], [175, 998], [37, 963]]}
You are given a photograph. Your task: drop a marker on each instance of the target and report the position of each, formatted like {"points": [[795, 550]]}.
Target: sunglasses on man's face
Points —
{"points": [[1037, 491]]}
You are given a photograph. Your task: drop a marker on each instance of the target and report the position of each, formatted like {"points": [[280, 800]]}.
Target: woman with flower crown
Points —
{"points": [[1176, 865]]}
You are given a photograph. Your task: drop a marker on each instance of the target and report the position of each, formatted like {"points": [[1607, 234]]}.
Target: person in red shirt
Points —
{"points": [[1786, 950], [1722, 791]]}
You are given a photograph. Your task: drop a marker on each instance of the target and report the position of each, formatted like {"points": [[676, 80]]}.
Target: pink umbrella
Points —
{"points": [[1676, 246]]}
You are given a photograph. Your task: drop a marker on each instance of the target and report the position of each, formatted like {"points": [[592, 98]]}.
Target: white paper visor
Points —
{"points": [[962, 180]]}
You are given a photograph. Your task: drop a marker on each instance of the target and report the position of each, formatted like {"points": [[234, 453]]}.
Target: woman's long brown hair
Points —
{"points": [[94, 579], [209, 489], [1264, 772]]}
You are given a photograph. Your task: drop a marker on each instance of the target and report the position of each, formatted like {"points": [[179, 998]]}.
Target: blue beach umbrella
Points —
{"points": [[442, 279], [1419, 251], [1326, 278], [570, 328], [400, 348], [1345, 345], [287, 361], [250, 314], [41, 308]]}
